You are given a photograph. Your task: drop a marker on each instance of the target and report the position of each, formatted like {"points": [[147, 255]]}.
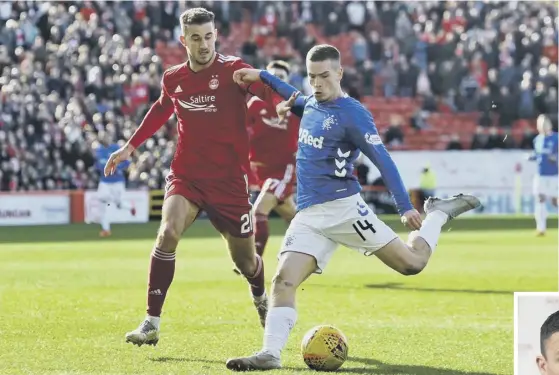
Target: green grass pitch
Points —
{"points": [[67, 298]]}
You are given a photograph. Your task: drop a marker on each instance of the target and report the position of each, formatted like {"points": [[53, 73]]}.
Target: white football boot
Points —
{"points": [[146, 333], [453, 206], [260, 361]]}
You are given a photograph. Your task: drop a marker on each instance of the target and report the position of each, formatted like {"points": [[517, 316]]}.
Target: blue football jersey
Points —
{"points": [[545, 149], [102, 155], [331, 136]]}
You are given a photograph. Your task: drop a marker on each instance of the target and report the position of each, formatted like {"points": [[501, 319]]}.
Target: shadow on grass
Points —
{"points": [[184, 359], [372, 366], [398, 286]]}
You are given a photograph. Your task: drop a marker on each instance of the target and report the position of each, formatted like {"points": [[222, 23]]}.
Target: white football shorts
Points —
{"points": [[111, 192], [545, 185], [319, 229]]}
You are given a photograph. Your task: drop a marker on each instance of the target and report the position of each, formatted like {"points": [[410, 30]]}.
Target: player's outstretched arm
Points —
{"points": [[156, 117], [290, 105], [364, 134], [255, 82], [117, 158]]}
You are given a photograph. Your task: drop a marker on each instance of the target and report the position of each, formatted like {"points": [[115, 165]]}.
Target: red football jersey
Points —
{"points": [[272, 142], [211, 113]]}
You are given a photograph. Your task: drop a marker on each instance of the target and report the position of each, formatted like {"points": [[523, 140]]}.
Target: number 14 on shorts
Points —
{"points": [[363, 225]]}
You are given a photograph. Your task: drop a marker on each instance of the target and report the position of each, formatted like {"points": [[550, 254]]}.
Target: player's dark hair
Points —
{"points": [[323, 52], [279, 64], [549, 327], [196, 16]]}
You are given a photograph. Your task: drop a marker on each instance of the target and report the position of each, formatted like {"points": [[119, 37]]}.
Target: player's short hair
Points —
{"points": [[323, 52], [279, 64], [549, 327], [196, 16]]}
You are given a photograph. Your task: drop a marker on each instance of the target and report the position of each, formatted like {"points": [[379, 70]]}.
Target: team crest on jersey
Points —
{"points": [[329, 122], [214, 83], [289, 240]]}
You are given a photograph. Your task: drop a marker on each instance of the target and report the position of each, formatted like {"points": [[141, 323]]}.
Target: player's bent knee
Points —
{"points": [[247, 268], [282, 285], [412, 267], [168, 237], [412, 270], [407, 259], [242, 253]]}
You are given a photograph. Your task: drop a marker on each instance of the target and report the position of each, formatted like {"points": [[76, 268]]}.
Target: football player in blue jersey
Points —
{"points": [[330, 211], [112, 187], [545, 180]]}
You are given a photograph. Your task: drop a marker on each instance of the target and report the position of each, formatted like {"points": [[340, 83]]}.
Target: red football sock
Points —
{"points": [[262, 233], [256, 281], [161, 272]]}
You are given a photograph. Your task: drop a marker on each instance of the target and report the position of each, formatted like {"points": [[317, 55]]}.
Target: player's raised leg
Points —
{"points": [[177, 215], [411, 258], [293, 269]]}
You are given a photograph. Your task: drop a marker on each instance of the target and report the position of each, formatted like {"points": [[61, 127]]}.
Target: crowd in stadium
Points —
{"points": [[70, 70]]}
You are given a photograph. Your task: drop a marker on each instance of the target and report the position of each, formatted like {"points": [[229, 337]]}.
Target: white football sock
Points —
{"points": [[279, 322], [540, 213], [431, 228], [155, 320], [106, 216]]}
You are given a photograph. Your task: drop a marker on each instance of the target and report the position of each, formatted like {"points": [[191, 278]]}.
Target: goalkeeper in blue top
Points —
{"points": [[330, 211]]}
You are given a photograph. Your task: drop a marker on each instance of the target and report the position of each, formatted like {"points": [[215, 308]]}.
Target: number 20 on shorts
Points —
{"points": [[246, 223]]}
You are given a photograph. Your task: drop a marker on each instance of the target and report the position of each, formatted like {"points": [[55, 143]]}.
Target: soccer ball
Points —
{"points": [[324, 348]]}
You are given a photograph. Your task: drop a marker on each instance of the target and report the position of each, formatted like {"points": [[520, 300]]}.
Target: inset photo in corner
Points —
{"points": [[536, 333]]}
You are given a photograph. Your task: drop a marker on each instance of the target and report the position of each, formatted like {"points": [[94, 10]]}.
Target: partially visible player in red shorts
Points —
{"points": [[209, 169], [273, 144]]}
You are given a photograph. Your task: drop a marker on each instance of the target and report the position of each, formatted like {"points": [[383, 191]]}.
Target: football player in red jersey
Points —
{"points": [[209, 169], [273, 144]]}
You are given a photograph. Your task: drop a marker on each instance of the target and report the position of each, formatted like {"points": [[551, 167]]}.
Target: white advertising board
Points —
{"points": [[139, 199], [34, 209]]}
